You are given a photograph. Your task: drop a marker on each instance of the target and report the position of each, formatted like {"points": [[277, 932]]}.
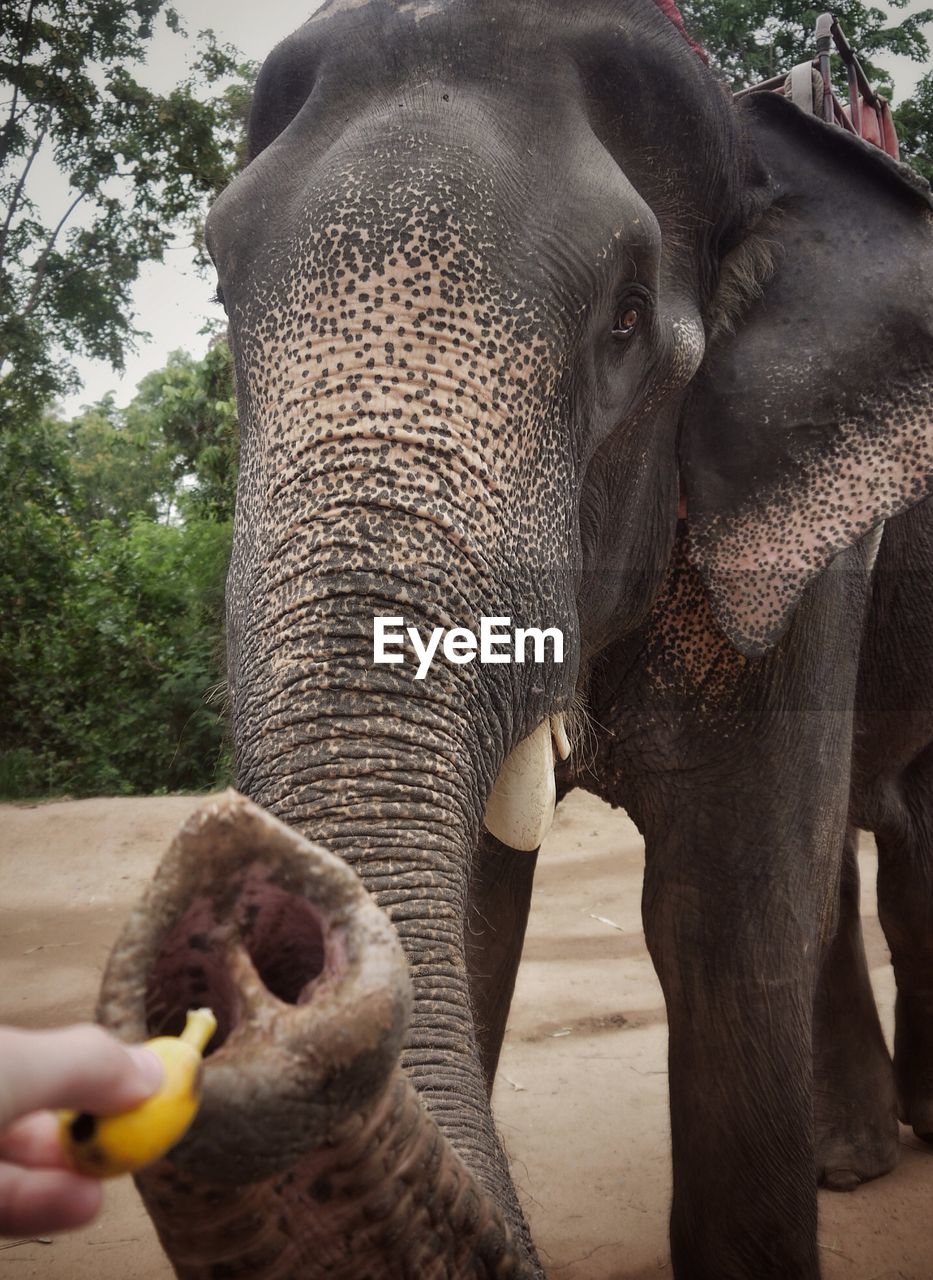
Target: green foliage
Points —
{"points": [[117, 472], [111, 590], [118, 523], [914, 121], [190, 405], [139, 168]]}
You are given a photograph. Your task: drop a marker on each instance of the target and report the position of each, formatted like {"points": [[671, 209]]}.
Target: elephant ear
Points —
{"points": [[811, 420]]}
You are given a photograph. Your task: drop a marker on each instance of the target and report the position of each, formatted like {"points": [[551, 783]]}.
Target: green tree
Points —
{"points": [[914, 120], [111, 685], [170, 454], [191, 406], [111, 589], [139, 167], [118, 471]]}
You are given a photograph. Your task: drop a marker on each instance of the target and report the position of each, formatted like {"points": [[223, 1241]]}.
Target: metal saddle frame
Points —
{"points": [[809, 85]]}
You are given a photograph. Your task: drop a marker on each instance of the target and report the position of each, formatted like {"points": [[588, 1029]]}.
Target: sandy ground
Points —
{"points": [[581, 1098]]}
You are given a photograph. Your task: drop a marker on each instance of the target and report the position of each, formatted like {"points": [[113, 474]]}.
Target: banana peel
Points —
{"points": [[108, 1146]]}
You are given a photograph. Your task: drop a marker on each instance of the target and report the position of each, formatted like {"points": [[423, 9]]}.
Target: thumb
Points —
{"points": [[79, 1067]]}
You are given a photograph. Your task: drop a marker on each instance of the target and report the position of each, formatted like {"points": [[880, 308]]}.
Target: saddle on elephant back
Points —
{"points": [[809, 85]]}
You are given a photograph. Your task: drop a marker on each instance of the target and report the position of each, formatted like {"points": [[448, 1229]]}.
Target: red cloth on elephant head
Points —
{"points": [[670, 10]]}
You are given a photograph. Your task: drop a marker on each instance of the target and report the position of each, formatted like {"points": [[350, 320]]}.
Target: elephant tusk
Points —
{"points": [[520, 809], [559, 733]]}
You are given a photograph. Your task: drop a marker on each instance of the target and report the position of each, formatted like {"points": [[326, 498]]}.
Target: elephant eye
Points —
{"points": [[626, 321]]}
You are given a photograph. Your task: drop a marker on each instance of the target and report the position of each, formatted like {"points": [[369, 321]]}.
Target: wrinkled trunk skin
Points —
{"points": [[405, 1175], [393, 777], [312, 1154], [403, 454]]}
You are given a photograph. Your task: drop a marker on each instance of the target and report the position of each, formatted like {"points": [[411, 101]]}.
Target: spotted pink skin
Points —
{"points": [[760, 560], [814, 422]]}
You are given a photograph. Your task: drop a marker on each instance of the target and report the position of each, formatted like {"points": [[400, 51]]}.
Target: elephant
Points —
{"points": [[533, 322]]}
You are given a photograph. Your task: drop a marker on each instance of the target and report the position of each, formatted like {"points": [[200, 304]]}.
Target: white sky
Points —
{"points": [[172, 300]]}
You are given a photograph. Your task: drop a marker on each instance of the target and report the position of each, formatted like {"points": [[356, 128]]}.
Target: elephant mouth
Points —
{"points": [[265, 936]]}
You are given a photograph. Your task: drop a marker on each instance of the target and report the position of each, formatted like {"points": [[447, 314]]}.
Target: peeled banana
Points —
{"points": [[107, 1146]]}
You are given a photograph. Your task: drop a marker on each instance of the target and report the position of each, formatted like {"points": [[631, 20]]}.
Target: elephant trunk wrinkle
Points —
{"points": [[395, 534], [412, 847], [389, 1197], [421, 786]]}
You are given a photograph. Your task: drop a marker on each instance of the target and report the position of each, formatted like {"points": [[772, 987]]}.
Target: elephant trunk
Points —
{"points": [[387, 772], [312, 1154], [396, 429]]}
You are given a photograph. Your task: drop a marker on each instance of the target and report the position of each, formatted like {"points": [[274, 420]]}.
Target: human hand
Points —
{"points": [[81, 1068]]}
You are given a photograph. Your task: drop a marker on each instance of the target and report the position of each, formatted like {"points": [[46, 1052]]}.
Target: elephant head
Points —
{"points": [[469, 269]]}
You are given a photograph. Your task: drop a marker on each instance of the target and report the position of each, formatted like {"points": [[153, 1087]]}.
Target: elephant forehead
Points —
{"points": [[399, 196], [419, 9]]}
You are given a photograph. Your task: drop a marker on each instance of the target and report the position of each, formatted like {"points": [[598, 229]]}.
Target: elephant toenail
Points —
{"points": [[842, 1179]]}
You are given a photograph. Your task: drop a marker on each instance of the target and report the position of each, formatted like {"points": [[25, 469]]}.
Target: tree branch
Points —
{"points": [[22, 114], [43, 261], [10, 123], [18, 189]]}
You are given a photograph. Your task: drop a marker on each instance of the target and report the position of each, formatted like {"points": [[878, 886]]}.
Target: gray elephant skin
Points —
{"points": [[532, 320]]}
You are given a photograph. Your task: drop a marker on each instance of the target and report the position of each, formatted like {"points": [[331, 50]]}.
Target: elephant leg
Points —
{"points": [[905, 906], [497, 915], [738, 773], [855, 1110], [736, 953]]}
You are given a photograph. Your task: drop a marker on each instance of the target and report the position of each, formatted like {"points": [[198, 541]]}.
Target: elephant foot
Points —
{"points": [[918, 1113], [856, 1139], [855, 1098], [913, 1056], [845, 1163]]}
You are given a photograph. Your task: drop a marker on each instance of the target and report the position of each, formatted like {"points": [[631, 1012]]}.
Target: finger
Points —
{"points": [[79, 1067], [34, 1142], [39, 1200]]}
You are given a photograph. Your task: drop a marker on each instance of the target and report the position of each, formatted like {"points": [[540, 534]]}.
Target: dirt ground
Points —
{"points": [[581, 1098]]}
